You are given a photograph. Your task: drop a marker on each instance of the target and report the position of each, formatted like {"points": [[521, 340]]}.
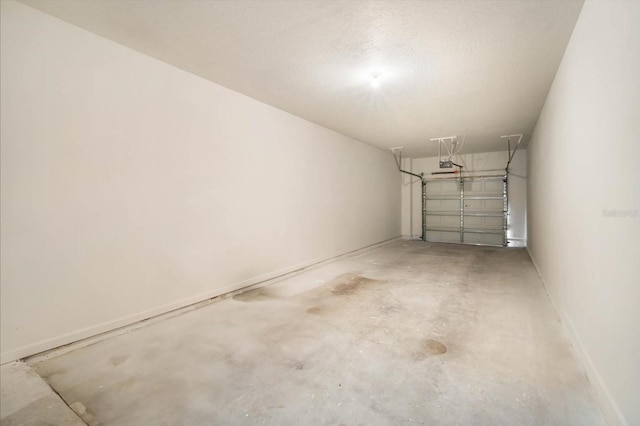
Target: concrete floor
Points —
{"points": [[408, 333]]}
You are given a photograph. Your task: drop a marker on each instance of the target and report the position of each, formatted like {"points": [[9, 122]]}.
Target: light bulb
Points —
{"points": [[375, 79]]}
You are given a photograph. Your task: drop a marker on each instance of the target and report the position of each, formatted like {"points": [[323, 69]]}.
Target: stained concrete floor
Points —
{"points": [[409, 333]]}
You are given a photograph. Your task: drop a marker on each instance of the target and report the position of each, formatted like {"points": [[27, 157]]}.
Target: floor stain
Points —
{"points": [[258, 295], [297, 366], [349, 284], [86, 415], [389, 309], [46, 373], [429, 348], [315, 310], [433, 347], [126, 384], [117, 360]]}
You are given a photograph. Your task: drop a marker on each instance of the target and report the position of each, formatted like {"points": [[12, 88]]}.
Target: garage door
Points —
{"points": [[467, 210]]}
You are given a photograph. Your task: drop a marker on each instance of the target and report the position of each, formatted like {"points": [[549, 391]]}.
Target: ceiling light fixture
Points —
{"points": [[375, 79]]}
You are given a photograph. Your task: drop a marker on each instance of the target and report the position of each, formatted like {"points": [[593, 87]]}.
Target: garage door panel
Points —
{"points": [[494, 223], [493, 205], [493, 186], [443, 205], [443, 237], [444, 187], [473, 205], [443, 221], [484, 239], [472, 187]]}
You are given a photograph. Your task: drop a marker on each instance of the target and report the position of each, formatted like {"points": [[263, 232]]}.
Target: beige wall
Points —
{"points": [[130, 187], [495, 162], [584, 200]]}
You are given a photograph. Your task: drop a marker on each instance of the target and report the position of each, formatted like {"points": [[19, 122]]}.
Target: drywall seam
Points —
{"points": [[608, 406], [88, 336]]}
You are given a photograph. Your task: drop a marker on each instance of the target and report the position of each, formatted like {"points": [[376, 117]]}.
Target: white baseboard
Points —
{"points": [[87, 336], [610, 409]]}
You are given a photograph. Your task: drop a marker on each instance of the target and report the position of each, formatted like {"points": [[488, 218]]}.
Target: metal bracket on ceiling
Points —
{"points": [[398, 158], [509, 138]]}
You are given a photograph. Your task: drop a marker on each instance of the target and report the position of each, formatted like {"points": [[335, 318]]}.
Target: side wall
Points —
{"points": [[584, 200], [130, 187], [495, 161]]}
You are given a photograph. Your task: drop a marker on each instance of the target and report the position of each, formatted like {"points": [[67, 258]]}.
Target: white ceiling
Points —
{"points": [[475, 68]]}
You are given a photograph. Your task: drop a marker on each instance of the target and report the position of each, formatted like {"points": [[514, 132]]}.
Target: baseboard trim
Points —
{"points": [[88, 336], [608, 406]]}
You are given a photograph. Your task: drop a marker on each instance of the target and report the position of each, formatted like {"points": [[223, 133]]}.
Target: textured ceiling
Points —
{"points": [[475, 68]]}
